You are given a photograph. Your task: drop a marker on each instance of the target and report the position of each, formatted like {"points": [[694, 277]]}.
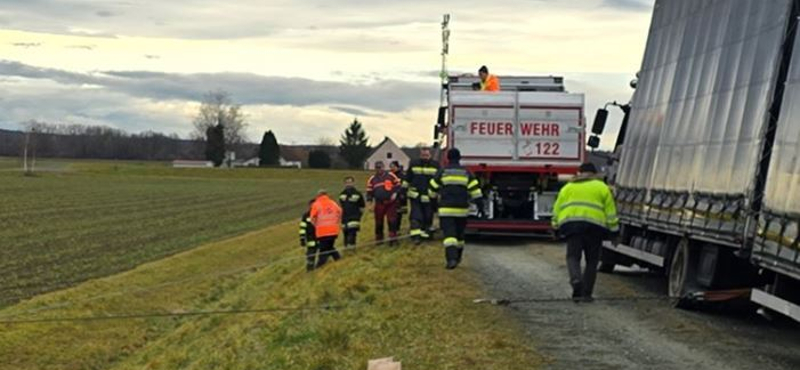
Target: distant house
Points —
{"points": [[387, 151], [252, 162], [296, 164], [180, 163]]}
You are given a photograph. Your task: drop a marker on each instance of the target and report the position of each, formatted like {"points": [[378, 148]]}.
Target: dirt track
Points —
{"points": [[644, 334]]}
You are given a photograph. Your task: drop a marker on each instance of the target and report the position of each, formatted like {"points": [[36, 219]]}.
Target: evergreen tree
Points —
{"points": [[215, 144], [353, 146], [319, 159], [269, 152]]}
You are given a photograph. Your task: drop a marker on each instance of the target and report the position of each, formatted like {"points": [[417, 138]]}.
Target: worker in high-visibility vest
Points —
{"points": [[326, 216], [308, 238], [418, 178], [352, 202], [584, 213], [455, 187], [489, 82]]}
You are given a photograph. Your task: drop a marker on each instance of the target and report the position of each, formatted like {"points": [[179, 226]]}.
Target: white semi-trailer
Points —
{"points": [[708, 185]]}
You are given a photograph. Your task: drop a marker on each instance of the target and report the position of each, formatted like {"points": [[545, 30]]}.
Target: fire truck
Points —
{"points": [[523, 142]]}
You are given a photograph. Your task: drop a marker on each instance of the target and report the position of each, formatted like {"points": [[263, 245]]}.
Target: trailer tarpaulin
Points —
{"points": [[698, 114]]}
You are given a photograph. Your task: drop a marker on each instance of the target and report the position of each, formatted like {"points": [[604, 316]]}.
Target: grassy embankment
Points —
{"points": [[398, 302]]}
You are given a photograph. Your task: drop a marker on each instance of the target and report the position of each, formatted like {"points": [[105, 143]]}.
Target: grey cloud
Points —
{"points": [[246, 88], [354, 111], [152, 56], [209, 19], [637, 5], [27, 44], [84, 47]]}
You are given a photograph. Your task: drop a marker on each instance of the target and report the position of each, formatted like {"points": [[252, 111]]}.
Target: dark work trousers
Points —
{"points": [[311, 258], [350, 236], [398, 220], [327, 248], [584, 239], [387, 211], [454, 229], [421, 216]]}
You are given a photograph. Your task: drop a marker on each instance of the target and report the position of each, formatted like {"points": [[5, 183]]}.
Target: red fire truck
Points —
{"points": [[522, 142]]}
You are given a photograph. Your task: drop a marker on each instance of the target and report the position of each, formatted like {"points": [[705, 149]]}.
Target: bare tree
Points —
{"points": [[217, 109]]}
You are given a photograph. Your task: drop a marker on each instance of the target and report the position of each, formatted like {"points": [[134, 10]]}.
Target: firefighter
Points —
{"points": [[352, 203], [382, 189], [402, 194], [489, 82], [308, 238], [419, 175], [326, 216], [584, 213], [455, 186]]}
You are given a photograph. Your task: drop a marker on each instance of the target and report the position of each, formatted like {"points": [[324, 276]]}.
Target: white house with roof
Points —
{"points": [[387, 151]]}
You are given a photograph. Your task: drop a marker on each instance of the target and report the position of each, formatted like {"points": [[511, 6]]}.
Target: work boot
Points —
{"points": [[451, 255], [577, 292], [459, 253]]}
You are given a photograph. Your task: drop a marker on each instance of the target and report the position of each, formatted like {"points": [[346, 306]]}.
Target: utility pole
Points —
{"points": [[25, 152], [443, 77]]}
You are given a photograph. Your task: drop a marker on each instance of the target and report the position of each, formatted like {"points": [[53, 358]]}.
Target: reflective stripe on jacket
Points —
{"points": [[352, 203], [307, 235], [586, 200], [418, 178], [455, 187], [326, 216]]}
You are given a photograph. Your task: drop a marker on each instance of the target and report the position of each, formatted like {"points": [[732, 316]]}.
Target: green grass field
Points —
{"points": [[397, 302], [80, 220]]}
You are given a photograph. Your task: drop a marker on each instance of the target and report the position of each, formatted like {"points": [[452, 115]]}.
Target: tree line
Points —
{"points": [[218, 129]]}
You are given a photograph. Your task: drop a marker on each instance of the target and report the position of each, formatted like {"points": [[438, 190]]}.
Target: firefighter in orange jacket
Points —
{"points": [[489, 82], [326, 216]]}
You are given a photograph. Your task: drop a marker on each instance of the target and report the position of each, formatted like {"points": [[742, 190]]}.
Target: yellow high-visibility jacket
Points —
{"points": [[586, 200]]}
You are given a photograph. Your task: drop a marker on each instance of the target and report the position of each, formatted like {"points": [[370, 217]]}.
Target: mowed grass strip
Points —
{"points": [[396, 302], [100, 218]]}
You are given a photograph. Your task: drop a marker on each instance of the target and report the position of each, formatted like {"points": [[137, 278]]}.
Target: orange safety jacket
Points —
{"points": [[326, 216], [492, 83]]}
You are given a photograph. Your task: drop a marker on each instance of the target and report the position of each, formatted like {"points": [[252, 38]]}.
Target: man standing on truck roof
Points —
{"points": [[455, 186], [489, 82], [585, 214], [418, 179], [382, 190]]}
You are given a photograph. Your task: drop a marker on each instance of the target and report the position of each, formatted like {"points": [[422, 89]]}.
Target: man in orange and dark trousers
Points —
{"points": [[402, 198], [352, 202], [382, 189], [418, 178], [326, 216]]}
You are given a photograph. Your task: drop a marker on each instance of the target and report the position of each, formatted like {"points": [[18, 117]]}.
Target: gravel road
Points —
{"points": [[644, 334]]}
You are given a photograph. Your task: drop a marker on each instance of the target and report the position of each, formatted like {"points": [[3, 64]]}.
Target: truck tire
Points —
{"points": [[682, 275]]}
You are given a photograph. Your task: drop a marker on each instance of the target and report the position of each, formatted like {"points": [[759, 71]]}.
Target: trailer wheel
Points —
{"points": [[682, 275]]}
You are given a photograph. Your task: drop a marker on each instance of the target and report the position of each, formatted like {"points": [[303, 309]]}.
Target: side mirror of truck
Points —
{"points": [[594, 142], [442, 116], [436, 132], [599, 121]]}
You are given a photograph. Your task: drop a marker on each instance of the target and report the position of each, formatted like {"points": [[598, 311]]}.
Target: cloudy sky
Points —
{"points": [[302, 68]]}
